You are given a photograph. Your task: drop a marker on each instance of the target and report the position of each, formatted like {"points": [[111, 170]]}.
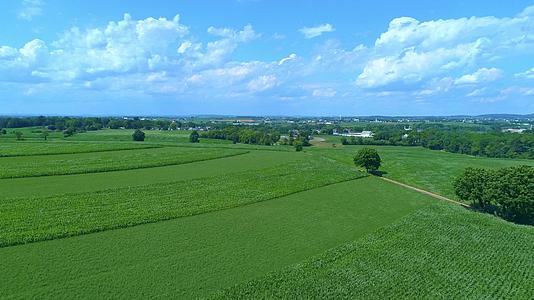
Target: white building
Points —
{"points": [[363, 134], [514, 130]]}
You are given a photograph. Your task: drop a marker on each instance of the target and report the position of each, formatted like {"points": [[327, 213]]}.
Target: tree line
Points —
{"points": [[489, 144], [506, 192], [236, 134], [92, 123]]}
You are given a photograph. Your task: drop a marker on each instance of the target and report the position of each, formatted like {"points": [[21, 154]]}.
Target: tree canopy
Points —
{"points": [[194, 137], [506, 192], [138, 135], [367, 158]]}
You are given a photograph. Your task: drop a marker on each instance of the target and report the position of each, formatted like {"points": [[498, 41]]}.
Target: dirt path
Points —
{"points": [[424, 192]]}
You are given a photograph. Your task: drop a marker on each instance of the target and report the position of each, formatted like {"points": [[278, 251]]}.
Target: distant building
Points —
{"points": [[514, 130], [363, 134]]}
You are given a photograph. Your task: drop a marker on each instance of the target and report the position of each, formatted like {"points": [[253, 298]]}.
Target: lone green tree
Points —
{"points": [[69, 132], [298, 146], [194, 137], [367, 158], [138, 135], [19, 135], [45, 134]]}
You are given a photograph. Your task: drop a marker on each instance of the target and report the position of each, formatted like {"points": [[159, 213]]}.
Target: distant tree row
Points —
{"points": [[237, 134], [490, 144], [506, 192], [91, 123]]}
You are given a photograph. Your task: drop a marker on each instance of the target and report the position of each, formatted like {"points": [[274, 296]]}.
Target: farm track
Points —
{"points": [[434, 195]]}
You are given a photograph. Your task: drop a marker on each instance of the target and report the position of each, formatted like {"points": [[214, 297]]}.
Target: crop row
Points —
{"points": [[438, 252], [26, 220], [9, 149], [32, 166]]}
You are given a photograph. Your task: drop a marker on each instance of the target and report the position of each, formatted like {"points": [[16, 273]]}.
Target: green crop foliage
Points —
{"points": [[43, 148], [438, 252], [32, 219], [427, 169], [192, 257], [46, 165], [91, 182]]}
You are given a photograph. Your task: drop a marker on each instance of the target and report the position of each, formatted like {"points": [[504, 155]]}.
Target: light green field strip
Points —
{"points": [[31, 219], [53, 185], [439, 252], [423, 168], [18, 148], [79, 163], [195, 256]]}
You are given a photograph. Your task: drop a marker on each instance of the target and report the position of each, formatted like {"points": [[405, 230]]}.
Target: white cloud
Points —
{"points": [[216, 52], [478, 92], [411, 51], [30, 9], [529, 74], [412, 59], [480, 76], [435, 86], [413, 66], [311, 32], [262, 83], [245, 35], [291, 57], [516, 90]]}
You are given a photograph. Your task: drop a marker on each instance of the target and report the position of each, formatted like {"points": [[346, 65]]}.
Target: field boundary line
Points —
{"points": [[129, 168], [434, 195], [168, 218], [82, 152]]}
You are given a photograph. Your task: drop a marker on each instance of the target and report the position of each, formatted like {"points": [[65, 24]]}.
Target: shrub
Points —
{"points": [[138, 135], [194, 137]]}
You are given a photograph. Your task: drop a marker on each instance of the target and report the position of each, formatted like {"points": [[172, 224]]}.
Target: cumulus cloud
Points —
{"points": [[30, 9], [411, 59], [216, 52], [480, 76], [311, 32], [412, 51], [413, 66], [126, 46]]}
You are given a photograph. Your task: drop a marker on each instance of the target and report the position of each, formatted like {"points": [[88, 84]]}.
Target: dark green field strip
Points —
{"points": [[423, 168], [439, 252], [61, 164], [195, 256], [10, 149], [80, 183], [24, 220]]}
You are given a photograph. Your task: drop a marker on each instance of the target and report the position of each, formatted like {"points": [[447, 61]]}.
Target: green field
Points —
{"points": [[54, 185], [440, 251], [40, 218], [25, 148], [98, 216], [195, 256], [427, 169], [61, 164]]}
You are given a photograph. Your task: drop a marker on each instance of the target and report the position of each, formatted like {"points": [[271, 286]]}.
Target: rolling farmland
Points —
{"points": [[427, 169], [82, 217], [439, 251]]}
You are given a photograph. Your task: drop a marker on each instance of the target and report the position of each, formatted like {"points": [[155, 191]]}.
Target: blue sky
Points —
{"points": [[263, 57]]}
